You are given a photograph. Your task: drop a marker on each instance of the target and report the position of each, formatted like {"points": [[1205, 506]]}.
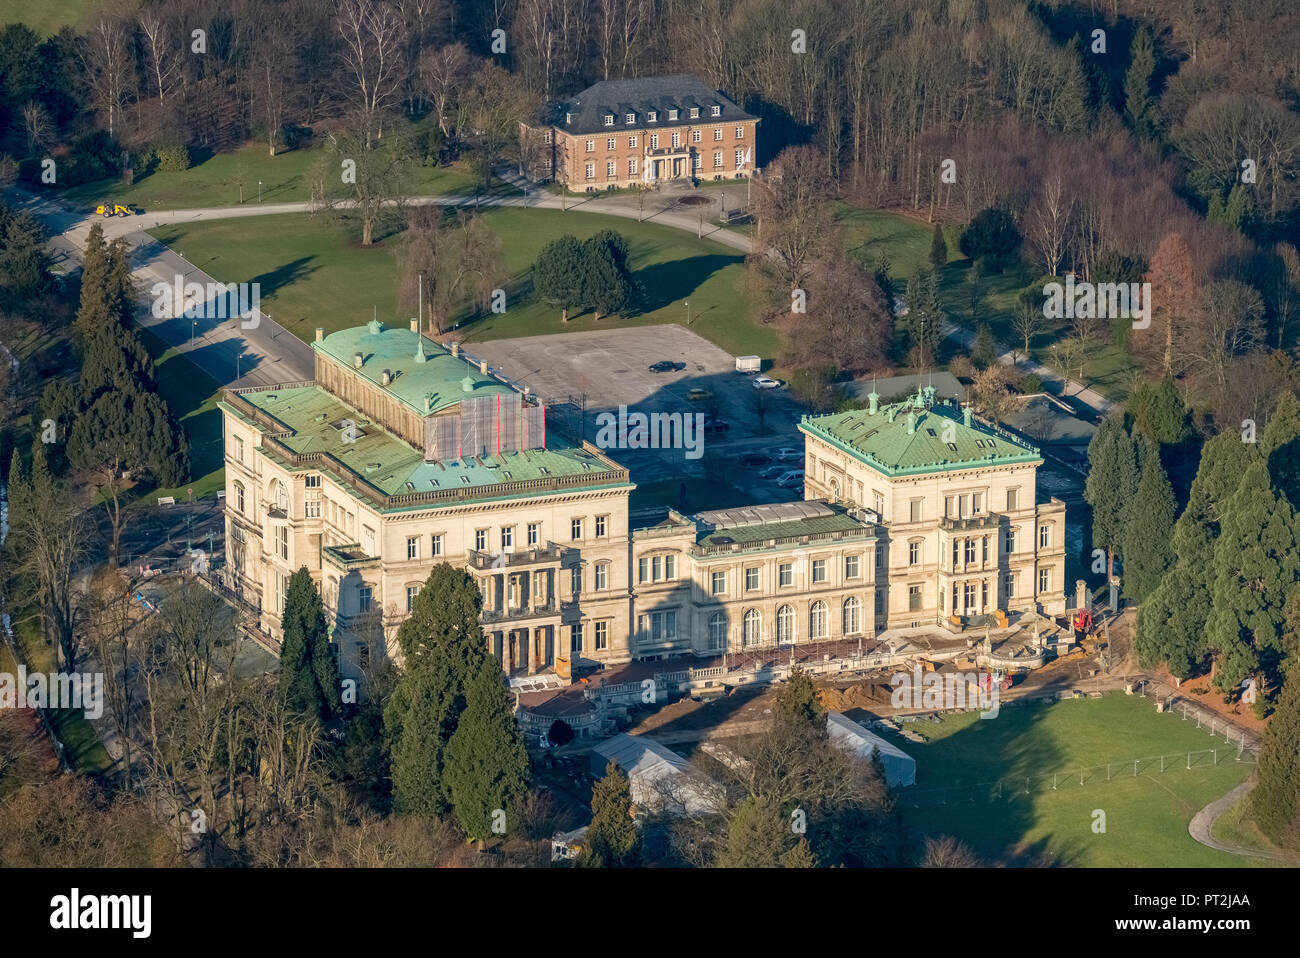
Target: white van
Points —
{"points": [[749, 364], [792, 478]]}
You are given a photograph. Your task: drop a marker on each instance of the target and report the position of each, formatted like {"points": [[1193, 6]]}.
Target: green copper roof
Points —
{"points": [[313, 423], [919, 435], [421, 368]]}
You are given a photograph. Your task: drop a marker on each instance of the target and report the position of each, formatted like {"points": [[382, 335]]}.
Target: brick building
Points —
{"points": [[621, 133]]}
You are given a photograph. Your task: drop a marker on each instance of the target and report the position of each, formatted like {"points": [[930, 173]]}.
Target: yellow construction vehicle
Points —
{"points": [[112, 209]]}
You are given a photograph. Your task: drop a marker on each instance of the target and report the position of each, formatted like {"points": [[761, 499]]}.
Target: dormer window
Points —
{"points": [[568, 118], [631, 118], [609, 119], [716, 111], [672, 114], [695, 113], [654, 117]]}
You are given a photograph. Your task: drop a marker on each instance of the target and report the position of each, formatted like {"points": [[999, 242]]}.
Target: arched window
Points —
{"points": [[717, 630], [785, 624], [817, 620], [852, 616], [835, 490], [279, 497], [753, 627], [239, 496]]}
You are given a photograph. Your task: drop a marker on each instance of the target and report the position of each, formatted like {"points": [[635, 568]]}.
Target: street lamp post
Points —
{"points": [[259, 192], [687, 304]]}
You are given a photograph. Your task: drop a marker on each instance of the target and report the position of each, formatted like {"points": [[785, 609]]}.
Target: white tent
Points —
{"points": [[899, 767], [661, 780]]}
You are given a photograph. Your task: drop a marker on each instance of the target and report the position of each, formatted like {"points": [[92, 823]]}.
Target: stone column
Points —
{"points": [[532, 650]]}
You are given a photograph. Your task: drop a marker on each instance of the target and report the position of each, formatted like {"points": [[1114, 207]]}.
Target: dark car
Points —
{"points": [[663, 366], [757, 459]]}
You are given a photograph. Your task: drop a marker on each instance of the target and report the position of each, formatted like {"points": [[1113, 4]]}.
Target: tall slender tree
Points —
{"points": [[309, 672]]}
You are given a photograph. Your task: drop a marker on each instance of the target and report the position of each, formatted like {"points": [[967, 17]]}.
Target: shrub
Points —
{"points": [[173, 159], [560, 733], [1032, 383]]}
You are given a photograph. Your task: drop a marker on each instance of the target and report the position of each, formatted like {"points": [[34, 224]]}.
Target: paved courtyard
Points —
{"points": [[611, 368]]}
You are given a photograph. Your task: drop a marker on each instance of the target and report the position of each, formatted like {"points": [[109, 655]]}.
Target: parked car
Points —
{"points": [[773, 472], [756, 459], [792, 478], [784, 455], [698, 394], [663, 366], [767, 382]]}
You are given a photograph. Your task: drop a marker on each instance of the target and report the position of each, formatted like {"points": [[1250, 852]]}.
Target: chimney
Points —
{"points": [[873, 398], [386, 378], [482, 366], [357, 360], [415, 325], [320, 333], [455, 350], [966, 412]]}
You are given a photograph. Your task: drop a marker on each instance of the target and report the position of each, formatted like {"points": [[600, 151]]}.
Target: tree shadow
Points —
{"points": [[674, 280]]}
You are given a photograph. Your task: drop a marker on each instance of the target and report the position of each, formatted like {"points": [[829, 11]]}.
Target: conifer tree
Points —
{"points": [[1137, 83], [938, 249], [1112, 482], [309, 673], [1148, 526], [612, 840], [558, 274], [486, 763], [1275, 802], [1280, 444], [1256, 565]]}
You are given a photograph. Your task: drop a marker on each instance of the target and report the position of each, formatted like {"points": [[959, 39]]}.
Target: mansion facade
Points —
{"points": [[400, 455], [622, 133]]}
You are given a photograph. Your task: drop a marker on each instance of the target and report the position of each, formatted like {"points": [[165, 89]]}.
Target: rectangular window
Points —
{"points": [[591, 146], [602, 524], [672, 115], [631, 167], [677, 140], [611, 169], [631, 142], [610, 143], [609, 119], [968, 596], [751, 579], [740, 132], [1013, 500], [949, 507], [602, 636], [412, 547], [1044, 536], [602, 576], [1010, 585], [878, 502], [785, 574], [977, 503], [695, 113], [914, 553], [575, 580], [1009, 544], [534, 533], [718, 583], [970, 550], [913, 598], [239, 449], [851, 567], [740, 158], [282, 542], [963, 506], [984, 552], [654, 116], [312, 482], [715, 111], [590, 171], [630, 118], [1044, 580], [507, 537], [656, 568], [717, 134], [575, 638], [819, 570], [411, 592], [312, 509], [575, 529], [363, 599], [643, 570], [480, 540], [717, 159], [696, 136], [657, 626], [670, 567], [914, 510], [654, 141], [956, 552], [435, 545], [880, 556]]}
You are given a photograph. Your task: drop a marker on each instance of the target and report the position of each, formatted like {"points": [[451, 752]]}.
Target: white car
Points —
{"points": [[767, 382], [792, 478], [785, 455]]}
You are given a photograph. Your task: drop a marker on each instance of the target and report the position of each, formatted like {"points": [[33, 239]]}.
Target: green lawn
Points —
{"points": [[313, 273], [217, 181], [1234, 827], [1146, 816], [905, 243], [45, 17], [192, 397]]}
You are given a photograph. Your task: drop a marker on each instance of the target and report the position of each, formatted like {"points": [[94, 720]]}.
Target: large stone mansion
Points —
{"points": [[401, 454], [621, 133]]}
